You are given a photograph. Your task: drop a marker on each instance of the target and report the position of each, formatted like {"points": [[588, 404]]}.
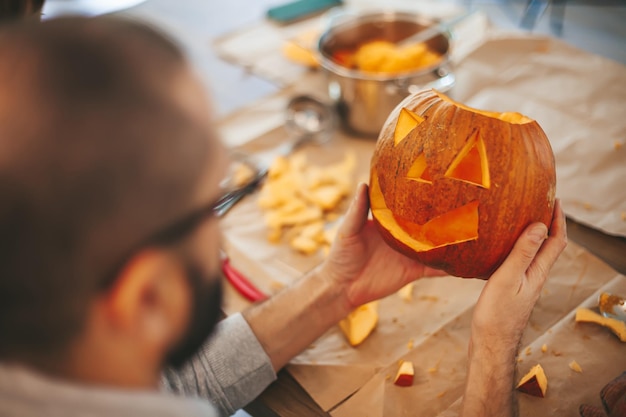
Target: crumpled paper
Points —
{"points": [[441, 360], [578, 99]]}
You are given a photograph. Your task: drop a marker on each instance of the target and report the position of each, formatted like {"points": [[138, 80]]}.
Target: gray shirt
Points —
{"points": [[230, 371]]}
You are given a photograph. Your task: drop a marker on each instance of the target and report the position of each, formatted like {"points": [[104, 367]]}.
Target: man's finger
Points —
{"points": [[553, 246], [525, 249], [356, 216]]}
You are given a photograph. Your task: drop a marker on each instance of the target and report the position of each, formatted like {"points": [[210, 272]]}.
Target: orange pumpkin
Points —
{"points": [[454, 187]]}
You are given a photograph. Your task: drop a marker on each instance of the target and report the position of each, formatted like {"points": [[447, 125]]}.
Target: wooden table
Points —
{"points": [[284, 398], [611, 249]]}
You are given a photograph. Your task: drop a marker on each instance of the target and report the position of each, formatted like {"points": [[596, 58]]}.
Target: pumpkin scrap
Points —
{"points": [[405, 375], [301, 49], [300, 200], [574, 366], [584, 315], [406, 292], [534, 382], [360, 323], [454, 187]]}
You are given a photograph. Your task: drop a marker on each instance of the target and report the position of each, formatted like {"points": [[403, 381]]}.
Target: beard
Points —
{"points": [[205, 314]]}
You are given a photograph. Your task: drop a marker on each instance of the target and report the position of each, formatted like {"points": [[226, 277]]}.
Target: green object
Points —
{"points": [[299, 9]]}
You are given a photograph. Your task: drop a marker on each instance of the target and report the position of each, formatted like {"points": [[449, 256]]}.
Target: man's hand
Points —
{"points": [[502, 313], [505, 304], [362, 264], [360, 268]]}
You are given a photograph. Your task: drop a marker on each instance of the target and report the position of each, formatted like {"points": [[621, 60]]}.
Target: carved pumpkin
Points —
{"points": [[454, 187]]}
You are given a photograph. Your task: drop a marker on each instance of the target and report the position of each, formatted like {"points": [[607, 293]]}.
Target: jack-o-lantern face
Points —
{"points": [[454, 187]]}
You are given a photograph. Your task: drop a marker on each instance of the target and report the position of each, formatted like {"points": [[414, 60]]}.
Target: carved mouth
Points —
{"points": [[454, 227]]}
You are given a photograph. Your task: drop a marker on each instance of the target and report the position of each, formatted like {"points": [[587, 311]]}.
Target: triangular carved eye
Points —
{"points": [[419, 170], [407, 121], [471, 164]]}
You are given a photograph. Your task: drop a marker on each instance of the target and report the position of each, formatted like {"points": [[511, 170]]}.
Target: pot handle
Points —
{"points": [[444, 81]]}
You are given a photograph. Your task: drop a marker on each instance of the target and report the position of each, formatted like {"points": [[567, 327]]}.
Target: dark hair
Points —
{"points": [[18, 9], [95, 155]]}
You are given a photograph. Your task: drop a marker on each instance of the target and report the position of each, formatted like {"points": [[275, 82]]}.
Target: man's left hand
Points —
{"points": [[362, 264]]}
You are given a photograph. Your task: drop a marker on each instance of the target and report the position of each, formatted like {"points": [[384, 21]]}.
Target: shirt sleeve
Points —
{"points": [[230, 370]]}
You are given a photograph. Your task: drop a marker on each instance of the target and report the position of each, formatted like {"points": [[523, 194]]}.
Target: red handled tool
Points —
{"points": [[240, 282]]}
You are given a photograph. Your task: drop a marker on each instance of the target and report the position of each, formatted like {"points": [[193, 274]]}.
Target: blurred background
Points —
{"points": [[598, 26]]}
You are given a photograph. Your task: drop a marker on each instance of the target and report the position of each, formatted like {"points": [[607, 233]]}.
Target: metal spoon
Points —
{"points": [[307, 120], [434, 30], [612, 306]]}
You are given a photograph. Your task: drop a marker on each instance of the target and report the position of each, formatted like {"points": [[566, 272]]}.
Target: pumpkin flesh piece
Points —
{"points": [[456, 226], [534, 382]]}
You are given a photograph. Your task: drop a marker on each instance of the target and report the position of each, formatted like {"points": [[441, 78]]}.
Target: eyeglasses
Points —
{"points": [[171, 234], [229, 199], [177, 230]]}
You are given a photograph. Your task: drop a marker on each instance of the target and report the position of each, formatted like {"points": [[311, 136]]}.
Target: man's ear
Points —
{"points": [[150, 300]]}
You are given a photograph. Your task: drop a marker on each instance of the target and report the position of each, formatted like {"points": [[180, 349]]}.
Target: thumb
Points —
{"points": [[356, 216], [526, 248]]}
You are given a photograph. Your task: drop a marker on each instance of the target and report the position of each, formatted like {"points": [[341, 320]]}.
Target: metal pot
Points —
{"points": [[364, 100]]}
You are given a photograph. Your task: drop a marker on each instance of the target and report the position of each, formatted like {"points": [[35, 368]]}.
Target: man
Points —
{"points": [[20, 9], [109, 266]]}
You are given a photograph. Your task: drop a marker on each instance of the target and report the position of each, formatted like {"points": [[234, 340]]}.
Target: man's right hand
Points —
{"points": [[505, 304], [502, 313]]}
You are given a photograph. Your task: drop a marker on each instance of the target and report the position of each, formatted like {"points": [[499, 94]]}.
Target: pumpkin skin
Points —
{"points": [[454, 187]]}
